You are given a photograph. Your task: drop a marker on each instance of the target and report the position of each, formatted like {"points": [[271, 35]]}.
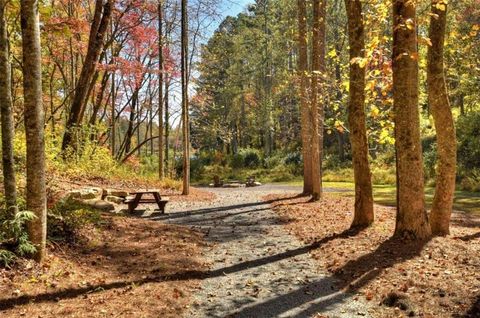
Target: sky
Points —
{"points": [[234, 7]]}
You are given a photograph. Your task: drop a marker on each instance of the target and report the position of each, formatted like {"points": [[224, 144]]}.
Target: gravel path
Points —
{"points": [[257, 268]]}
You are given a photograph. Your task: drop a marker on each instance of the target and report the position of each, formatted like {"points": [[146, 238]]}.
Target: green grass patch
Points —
{"points": [[386, 195]]}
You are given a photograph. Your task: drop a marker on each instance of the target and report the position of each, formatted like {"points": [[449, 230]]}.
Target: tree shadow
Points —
{"points": [[158, 274], [470, 237], [474, 311], [349, 278]]}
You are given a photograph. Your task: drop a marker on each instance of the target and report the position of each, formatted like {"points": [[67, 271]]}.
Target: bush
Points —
{"points": [[294, 162], [471, 182], [68, 218], [251, 157], [14, 237], [237, 161], [468, 136]]}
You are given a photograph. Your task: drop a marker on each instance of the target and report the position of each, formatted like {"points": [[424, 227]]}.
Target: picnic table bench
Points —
{"points": [[135, 199]]}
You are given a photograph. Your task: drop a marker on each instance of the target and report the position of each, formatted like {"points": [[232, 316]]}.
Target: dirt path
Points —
{"points": [[257, 268]]}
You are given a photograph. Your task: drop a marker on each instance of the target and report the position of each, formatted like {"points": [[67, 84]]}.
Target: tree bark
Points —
{"points": [[161, 168], [303, 94], [317, 107], [103, 12], [185, 115], [364, 214], [412, 220], [34, 125], [444, 124], [8, 133]]}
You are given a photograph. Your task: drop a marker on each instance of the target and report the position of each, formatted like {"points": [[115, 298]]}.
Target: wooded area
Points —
{"points": [[169, 93]]}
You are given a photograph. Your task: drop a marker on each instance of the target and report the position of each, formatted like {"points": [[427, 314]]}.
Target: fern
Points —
{"points": [[7, 258]]}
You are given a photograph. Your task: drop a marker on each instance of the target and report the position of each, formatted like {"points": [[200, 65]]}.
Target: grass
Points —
{"points": [[385, 195]]}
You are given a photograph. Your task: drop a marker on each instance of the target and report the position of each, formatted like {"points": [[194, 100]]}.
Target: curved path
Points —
{"points": [[257, 268]]}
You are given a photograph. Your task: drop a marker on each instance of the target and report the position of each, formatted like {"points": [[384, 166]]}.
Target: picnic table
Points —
{"points": [[136, 198]]}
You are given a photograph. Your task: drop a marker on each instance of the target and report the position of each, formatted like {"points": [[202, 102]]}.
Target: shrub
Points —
{"points": [[294, 162], [14, 237], [468, 136], [237, 161], [251, 157], [471, 182], [68, 217]]}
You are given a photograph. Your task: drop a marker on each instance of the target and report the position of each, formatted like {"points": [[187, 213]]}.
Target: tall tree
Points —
{"points": [[412, 220], [161, 168], [442, 115], [101, 18], [317, 107], [7, 116], [363, 215], [185, 115], [34, 125], [303, 94]]}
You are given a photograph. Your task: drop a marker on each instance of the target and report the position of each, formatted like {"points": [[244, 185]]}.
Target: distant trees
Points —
{"points": [[98, 30], [34, 125], [412, 220]]}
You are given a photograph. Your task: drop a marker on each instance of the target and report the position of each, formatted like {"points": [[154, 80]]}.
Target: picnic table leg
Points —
{"points": [[159, 202], [132, 205]]}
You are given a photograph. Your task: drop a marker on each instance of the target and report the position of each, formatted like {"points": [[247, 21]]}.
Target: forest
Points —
{"points": [[305, 158]]}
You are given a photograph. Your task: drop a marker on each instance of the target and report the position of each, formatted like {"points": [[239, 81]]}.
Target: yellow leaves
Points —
{"points": [[425, 40], [441, 5], [332, 53], [361, 61], [475, 29], [410, 24], [374, 112]]}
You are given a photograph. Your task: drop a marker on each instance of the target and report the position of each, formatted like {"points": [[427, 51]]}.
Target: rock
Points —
{"points": [[99, 204], [114, 199], [116, 193], [74, 194], [88, 194]]}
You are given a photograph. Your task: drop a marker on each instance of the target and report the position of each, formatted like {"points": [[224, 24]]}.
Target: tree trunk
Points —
{"points": [[185, 116], [7, 117], [304, 102], [167, 127], [34, 125], [444, 124], [363, 215], [316, 109], [412, 220], [95, 44], [161, 168]]}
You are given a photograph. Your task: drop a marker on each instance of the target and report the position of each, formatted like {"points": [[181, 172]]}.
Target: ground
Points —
{"points": [[256, 252]]}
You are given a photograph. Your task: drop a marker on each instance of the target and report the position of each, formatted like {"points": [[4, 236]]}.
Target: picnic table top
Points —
{"points": [[147, 191]]}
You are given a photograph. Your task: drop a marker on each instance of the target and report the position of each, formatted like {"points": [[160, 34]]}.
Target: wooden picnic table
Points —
{"points": [[136, 198]]}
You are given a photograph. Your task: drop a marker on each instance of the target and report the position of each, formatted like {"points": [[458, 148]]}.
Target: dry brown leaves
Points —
{"points": [[440, 277], [127, 269]]}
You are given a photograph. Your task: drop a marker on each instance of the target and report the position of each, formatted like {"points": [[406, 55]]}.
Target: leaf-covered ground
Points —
{"points": [[126, 267], [438, 278]]}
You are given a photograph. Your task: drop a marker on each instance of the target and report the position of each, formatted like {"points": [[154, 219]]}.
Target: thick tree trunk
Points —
{"points": [[103, 12], [161, 168], [316, 109], [34, 125], [412, 220], [7, 117], [303, 94], [444, 124], [356, 118], [185, 115]]}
